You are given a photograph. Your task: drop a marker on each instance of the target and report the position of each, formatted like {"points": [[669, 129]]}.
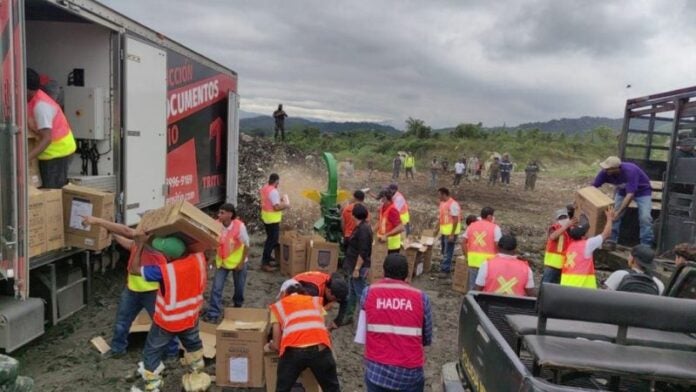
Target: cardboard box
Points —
{"points": [[293, 253], [198, 230], [81, 200], [45, 221], [411, 256], [379, 253], [142, 323], [460, 278], [322, 256], [239, 348], [270, 364], [427, 258], [591, 203], [34, 172]]}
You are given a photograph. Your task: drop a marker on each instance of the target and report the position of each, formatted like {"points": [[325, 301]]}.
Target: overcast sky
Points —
{"points": [[445, 62]]}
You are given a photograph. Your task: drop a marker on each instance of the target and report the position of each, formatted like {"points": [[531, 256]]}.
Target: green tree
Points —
{"points": [[467, 131], [416, 127]]}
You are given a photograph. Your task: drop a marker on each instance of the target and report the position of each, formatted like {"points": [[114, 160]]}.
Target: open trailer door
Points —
{"points": [[232, 185], [145, 127]]}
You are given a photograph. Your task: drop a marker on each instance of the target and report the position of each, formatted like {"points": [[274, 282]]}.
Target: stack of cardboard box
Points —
{"points": [[300, 253], [45, 221]]}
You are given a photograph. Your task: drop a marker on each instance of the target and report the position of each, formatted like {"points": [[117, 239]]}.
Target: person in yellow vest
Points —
{"points": [[272, 206], [389, 226], [556, 245], [402, 206], [231, 257], [450, 214], [138, 294], [56, 142], [480, 242], [409, 164], [578, 268]]}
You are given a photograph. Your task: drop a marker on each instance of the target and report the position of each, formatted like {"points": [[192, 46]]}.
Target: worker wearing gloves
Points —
{"points": [[395, 323], [271, 214], [556, 246], [56, 142], [389, 226], [402, 206], [505, 273], [632, 184], [450, 226], [180, 297], [231, 257], [578, 269], [138, 293], [480, 242], [302, 340], [329, 288]]}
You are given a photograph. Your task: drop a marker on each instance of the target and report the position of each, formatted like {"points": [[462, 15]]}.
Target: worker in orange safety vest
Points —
{"points": [[578, 268], [56, 142], [479, 242], [389, 226], [450, 226], [556, 245], [179, 299], [302, 340], [505, 273]]}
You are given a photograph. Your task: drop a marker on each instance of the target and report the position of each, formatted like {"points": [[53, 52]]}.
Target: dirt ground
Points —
{"points": [[64, 360]]}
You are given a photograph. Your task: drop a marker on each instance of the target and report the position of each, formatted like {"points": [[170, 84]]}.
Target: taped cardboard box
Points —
{"points": [[199, 231], [293, 253], [322, 255], [460, 278], [240, 340], [307, 380], [591, 203], [34, 172], [79, 201], [45, 221]]}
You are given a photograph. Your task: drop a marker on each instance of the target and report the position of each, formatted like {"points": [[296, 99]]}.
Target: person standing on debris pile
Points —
{"points": [[631, 184], [578, 268], [494, 171], [480, 242], [271, 214], [506, 273], [396, 167], [434, 168], [330, 288], [409, 164], [179, 299], [348, 223], [505, 169], [279, 115], [357, 260], [389, 226], [301, 340], [231, 257], [639, 277], [56, 143], [138, 293], [449, 228], [395, 324], [459, 169], [402, 207], [556, 246], [530, 175]]}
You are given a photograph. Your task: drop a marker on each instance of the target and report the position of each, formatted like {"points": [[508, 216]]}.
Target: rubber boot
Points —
{"points": [[152, 380], [196, 381]]}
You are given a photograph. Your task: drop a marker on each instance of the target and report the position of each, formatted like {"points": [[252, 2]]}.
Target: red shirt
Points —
{"points": [[393, 217]]}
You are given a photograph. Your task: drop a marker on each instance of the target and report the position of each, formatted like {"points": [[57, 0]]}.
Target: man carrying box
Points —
{"points": [[180, 297], [231, 257], [138, 293], [271, 214], [302, 340]]}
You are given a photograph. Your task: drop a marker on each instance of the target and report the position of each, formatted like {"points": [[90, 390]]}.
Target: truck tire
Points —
{"points": [[8, 370], [21, 384]]}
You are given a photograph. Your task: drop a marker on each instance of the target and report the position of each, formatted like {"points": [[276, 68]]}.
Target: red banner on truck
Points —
{"points": [[196, 130]]}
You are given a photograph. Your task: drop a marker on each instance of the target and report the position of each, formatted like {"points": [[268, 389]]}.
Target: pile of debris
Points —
{"points": [[257, 158]]}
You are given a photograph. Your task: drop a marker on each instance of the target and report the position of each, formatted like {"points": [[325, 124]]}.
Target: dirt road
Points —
{"points": [[64, 360]]}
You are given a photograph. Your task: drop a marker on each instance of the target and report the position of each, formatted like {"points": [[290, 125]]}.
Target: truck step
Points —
{"points": [[21, 321]]}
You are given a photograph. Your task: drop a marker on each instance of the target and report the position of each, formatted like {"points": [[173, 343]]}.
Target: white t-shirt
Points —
{"points": [[593, 244], [614, 280], [43, 115], [399, 201], [497, 233], [483, 273], [454, 209], [459, 168], [274, 196]]}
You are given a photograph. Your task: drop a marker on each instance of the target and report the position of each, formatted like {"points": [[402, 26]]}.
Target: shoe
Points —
{"points": [[268, 268], [273, 263], [111, 354], [210, 319]]}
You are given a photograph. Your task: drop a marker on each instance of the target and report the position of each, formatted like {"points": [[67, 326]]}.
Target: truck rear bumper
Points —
{"points": [[451, 380]]}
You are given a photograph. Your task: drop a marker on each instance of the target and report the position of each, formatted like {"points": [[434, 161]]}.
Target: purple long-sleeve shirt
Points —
{"points": [[631, 179]]}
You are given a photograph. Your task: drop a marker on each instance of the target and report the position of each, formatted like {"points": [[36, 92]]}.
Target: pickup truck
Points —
{"points": [[572, 339]]}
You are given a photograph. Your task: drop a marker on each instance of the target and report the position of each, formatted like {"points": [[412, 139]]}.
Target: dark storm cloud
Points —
{"points": [[443, 61]]}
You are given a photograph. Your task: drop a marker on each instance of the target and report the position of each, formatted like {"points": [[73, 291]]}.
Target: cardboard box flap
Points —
{"points": [[86, 190], [142, 323], [237, 325], [200, 218]]}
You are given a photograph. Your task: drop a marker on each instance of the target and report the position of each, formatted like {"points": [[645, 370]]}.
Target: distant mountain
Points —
{"points": [[573, 125], [266, 125]]}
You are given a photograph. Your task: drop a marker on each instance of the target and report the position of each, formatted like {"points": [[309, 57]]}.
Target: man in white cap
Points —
{"points": [[631, 184]]}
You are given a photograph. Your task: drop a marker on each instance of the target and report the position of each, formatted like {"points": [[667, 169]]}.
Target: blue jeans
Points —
{"points": [[239, 278], [130, 304], [447, 253], [644, 219], [158, 339], [472, 278], [551, 275], [371, 387]]}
